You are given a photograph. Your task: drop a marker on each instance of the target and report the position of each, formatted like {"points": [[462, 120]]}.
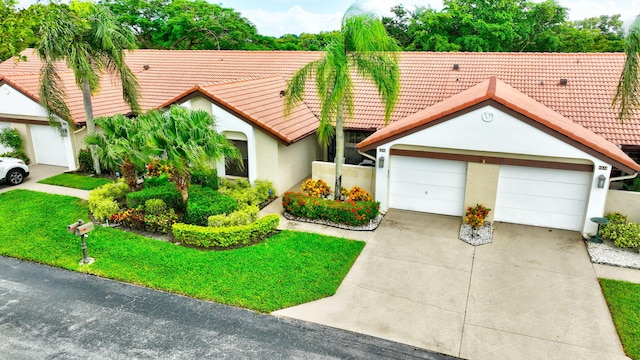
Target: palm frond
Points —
{"points": [[627, 97], [294, 95]]}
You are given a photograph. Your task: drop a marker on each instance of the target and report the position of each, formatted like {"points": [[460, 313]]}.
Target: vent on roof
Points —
{"points": [[563, 81], [541, 82], [146, 67], [282, 93], [456, 66]]}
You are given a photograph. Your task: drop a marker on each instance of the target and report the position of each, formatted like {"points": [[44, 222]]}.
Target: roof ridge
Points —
{"points": [[238, 80]]}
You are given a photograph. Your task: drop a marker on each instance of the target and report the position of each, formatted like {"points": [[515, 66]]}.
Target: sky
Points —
{"points": [[279, 17]]}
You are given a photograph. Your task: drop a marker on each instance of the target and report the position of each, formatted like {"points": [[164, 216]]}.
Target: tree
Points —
{"points": [[16, 27], [120, 145], [87, 38], [363, 47], [185, 139], [627, 97]]}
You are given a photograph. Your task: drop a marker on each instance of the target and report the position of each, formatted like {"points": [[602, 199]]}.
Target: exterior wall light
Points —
{"points": [[601, 181], [381, 162]]}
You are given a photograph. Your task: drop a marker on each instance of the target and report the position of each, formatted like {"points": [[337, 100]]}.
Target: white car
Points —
{"points": [[13, 171]]}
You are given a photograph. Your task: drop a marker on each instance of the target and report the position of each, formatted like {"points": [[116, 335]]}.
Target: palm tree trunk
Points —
{"points": [[91, 126], [339, 153], [129, 173]]}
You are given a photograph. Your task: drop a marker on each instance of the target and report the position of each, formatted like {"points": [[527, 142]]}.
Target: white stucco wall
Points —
{"points": [[503, 136], [294, 162]]}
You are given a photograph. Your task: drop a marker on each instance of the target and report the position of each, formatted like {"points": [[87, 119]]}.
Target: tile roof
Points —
{"points": [[497, 90], [427, 78]]}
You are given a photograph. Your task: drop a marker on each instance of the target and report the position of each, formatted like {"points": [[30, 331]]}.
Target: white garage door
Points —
{"points": [[48, 145], [427, 185], [4, 149], [542, 197]]}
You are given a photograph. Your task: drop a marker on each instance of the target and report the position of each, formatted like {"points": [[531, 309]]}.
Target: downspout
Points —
{"points": [[370, 157], [623, 177]]}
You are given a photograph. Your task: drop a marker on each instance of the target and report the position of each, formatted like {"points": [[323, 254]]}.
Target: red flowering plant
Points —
{"points": [[358, 194], [341, 212], [155, 169], [476, 216], [316, 188]]}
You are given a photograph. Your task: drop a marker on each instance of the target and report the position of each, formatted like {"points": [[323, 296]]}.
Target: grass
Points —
{"points": [[287, 269], [75, 181], [623, 299]]}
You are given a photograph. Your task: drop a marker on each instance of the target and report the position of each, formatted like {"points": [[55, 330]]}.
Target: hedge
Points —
{"points": [[205, 202], [167, 193], [103, 200], [226, 236], [341, 212]]}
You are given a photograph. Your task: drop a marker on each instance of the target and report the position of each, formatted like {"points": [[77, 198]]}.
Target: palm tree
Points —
{"points": [[186, 140], [120, 145], [362, 47], [628, 93], [86, 37]]}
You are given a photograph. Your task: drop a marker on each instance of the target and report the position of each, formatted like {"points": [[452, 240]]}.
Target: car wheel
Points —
{"points": [[15, 177]]}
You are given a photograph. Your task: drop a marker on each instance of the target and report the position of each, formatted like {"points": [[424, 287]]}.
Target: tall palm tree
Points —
{"points": [[120, 145], [86, 37], [186, 140], [627, 97], [364, 48]]}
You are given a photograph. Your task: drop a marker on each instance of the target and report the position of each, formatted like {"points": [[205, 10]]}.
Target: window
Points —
{"points": [[232, 168]]}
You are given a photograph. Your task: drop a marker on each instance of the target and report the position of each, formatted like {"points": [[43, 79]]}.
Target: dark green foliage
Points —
{"points": [[226, 236], [161, 180], [633, 186], [205, 202], [11, 137], [340, 212], [205, 178], [623, 299], [18, 155], [623, 233], [85, 161], [168, 193]]}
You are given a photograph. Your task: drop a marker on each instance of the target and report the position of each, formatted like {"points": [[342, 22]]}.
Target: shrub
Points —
{"points": [[18, 154], [137, 219], [616, 218], [242, 216], [624, 235], [154, 206], [167, 193], [226, 236], [475, 216], [341, 212], [245, 195], [157, 181], [318, 189], [205, 178], [358, 194], [11, 137], [103, 200], [85, 161], [205, 202]]}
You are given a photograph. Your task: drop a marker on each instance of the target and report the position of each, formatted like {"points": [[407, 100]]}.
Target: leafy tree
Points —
{"points": [[86, 37], [120, 145], [627, 97], [16, 27], [185, 139], [398, 26], [363, 47], [186, 25]]}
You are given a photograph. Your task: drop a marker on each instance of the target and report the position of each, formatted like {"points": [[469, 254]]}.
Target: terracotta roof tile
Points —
{"points": [[426, 78], [499, 91]]}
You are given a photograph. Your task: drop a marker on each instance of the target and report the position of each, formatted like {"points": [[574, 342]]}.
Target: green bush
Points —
{"points": [[154, 206], [137, 219], [156, 181], [167, 193], [205, 178], [11, 137], [242, 216], [340, 212], [18, 154], [205, 202], [624, 235], [226, 236], [616, 218], [103, 200], [85, 161], [246, 195]]}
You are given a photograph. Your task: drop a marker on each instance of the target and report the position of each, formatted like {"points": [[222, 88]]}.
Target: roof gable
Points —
{"points": [[497, 91]]}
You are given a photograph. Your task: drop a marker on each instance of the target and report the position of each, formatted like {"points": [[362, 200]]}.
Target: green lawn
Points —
{"points": [[75, 181], [623, 299], [287, 269]]}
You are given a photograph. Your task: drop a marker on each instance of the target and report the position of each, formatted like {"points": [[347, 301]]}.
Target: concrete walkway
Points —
{"points": [[531, 294], [39, 172]]}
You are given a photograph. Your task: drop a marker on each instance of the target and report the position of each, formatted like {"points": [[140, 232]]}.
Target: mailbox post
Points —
{"points": [[81, 229]]}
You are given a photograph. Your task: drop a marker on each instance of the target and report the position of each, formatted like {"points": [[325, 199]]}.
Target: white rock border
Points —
{"points": [[372, 225], [484, 235], [608, 254]]}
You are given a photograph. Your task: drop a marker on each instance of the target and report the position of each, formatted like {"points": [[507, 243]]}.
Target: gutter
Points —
{"points": [[374, 159], [623, 177]]}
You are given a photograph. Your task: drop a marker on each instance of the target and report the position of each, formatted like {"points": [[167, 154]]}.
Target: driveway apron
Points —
{"points": [[532, 293]]}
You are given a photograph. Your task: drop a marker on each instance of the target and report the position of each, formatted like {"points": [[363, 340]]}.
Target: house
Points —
{"points": [[531, 135]]}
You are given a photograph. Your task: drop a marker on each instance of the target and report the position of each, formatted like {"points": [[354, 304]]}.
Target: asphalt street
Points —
{"points": [[50, 313]]}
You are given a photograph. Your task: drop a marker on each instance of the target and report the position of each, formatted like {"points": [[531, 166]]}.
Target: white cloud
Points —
{"points": [[294, 21]]}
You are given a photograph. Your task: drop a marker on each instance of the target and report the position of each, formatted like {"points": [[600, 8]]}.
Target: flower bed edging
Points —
{"points": [[485, 234], [372, 225]]}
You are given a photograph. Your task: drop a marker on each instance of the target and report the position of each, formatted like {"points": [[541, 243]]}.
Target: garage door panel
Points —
{"points": [[428, 185], [48, 145], [542, 197]]}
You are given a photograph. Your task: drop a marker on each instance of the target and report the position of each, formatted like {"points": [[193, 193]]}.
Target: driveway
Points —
{"points": [[38, 172], [532, 293]]}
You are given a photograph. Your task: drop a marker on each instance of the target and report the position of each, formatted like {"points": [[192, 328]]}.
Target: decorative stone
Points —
{"points": [[481, 236]]}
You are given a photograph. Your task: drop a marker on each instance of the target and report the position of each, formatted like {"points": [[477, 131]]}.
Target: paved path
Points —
{"points": [[39, 172], [56, 314], [531, 294]]}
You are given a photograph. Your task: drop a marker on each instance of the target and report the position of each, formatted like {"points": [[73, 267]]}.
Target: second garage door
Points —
{"points": [[427, 185], [542, 197]]}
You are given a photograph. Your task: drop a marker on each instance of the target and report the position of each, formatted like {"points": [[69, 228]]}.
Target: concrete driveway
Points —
{"points": [[38, 172], [532, 293]]}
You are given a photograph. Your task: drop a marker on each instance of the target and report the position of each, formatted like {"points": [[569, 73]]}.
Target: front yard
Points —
{"points": [[287, 269]]}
